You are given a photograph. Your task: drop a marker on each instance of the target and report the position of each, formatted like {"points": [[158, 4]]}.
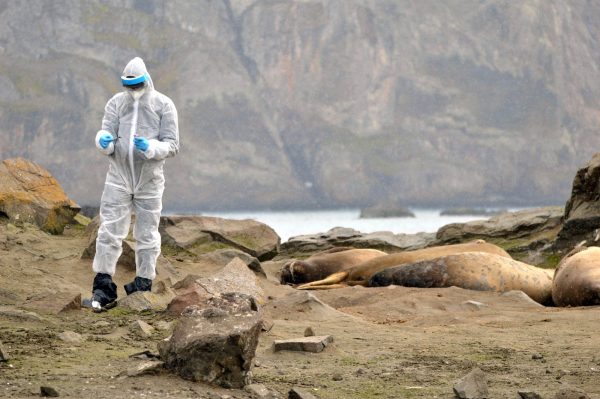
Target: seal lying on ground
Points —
{"points": [[360, 274], [577, 278], [478, 271], [324, 263]]}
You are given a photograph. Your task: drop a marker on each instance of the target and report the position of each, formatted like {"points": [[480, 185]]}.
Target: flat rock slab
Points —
{"points": [[313, 344], [55, 303], [145, 300], [347, 237], [145, 368], [250, 236], [12, 313], [507, 225], [70, 337], [300, 393]]}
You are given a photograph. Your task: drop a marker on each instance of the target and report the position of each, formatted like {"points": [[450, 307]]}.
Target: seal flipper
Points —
{"points": [[329, 280]]}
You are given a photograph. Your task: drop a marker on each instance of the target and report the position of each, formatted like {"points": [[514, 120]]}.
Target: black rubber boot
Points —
{"points": [[104, 293], [138, 284]]}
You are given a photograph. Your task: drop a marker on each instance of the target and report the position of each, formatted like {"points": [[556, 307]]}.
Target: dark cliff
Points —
{"points": [[316, 103]]}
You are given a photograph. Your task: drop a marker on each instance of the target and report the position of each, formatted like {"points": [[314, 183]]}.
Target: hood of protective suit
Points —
{"points": [[137, 68]]}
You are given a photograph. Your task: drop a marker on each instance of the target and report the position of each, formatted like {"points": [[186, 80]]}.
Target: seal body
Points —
{"points": [[577, 278], [471, 270], [360, 274], [322, 264]]}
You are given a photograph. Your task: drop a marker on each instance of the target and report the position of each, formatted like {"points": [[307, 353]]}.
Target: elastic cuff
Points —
{"points": [[151, 151], [111, 146]]}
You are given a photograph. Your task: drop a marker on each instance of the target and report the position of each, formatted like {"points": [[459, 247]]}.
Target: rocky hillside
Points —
{"points": [[324, 102]]}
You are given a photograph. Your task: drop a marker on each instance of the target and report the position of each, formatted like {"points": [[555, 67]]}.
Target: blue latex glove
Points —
{"points": [[105, 140], [141, 143]]}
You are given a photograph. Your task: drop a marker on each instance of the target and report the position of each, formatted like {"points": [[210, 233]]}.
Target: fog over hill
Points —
{"points": [[316, 103]]}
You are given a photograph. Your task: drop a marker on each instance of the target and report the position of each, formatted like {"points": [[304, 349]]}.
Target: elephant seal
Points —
{"points": [[577, 278], [360, 274], [478, 271], [322, 264]]}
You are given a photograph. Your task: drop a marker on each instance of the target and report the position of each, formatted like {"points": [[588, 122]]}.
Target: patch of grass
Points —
{"points": [[204, 248]]}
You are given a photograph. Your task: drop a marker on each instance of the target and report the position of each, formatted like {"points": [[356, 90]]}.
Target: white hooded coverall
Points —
{"points": [[135, 179]]}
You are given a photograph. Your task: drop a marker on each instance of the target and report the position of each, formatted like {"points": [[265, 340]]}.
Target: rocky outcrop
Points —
{"points": [[582, 211], [385, 211], [508, 226], [29, 193], [215, 341], [347, 237], [200, 234]]}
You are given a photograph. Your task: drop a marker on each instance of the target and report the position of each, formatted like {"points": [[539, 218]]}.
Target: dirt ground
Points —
{"points": [[390, 342]]}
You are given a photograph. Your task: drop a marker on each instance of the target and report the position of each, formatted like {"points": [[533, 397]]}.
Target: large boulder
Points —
{"points": [[509, 225], [29, 193], [347, 237], [236, 276], [582, 211], [215, 341], [250, 236]]}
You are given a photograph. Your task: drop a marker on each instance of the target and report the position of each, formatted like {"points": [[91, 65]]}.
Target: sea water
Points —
{"points": [[293, 223]]}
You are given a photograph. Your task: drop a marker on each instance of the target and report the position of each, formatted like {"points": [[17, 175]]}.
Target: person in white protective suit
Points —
{"points": [[139, 131]]}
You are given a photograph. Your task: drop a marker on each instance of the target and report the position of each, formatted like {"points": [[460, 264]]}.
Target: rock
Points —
{"points": [[510, 225], [259, 391], [521, 296], [250, 236], [337, 377], [49, 392], [529, 395], [308, 332], [4, 356], [19, 314], [472, 385], [383, 211], [141, 329], [571, 393], [300, 393], [145, 300], [234, 277], [473, 305], [55, 303], [305, 344], [224, 256], [215, 341], [144, 368], [29, 193], [472, 212], [537, 356], [346, 237], [70, 337], [165, 325], [582, 211]]}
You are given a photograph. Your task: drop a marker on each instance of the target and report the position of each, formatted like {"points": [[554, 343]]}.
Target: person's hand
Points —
{"points": [[105, 140], [141, 143]]}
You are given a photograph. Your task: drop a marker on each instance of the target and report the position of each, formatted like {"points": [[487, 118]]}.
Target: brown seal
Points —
{"points": [[478, 271], [360, 274], [577, 278], [322, 264]]}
